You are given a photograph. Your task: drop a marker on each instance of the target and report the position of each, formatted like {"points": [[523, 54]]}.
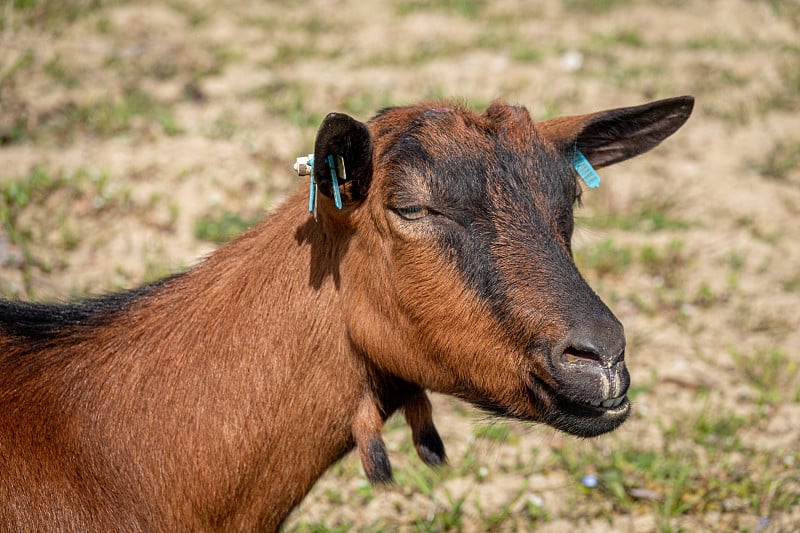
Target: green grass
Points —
{"points": [[645, 216], [770, 372], [786, 10], [320, 527], [38, 213], [719, 42], [792, 284], [781, 162], [56, 69], [449, 518], [666, 263], [496, 520], [221, 227], [50, 15], [365, 102], [20, 63], [785, 97], [470, 9], [289, 101], [195, 15], [511, 42], [631, 37], [706, 298], [133, 111], [596, 6], [622, 472], [606, 258], [18, 194], [498, 431], [224, 126], [703, 466], [630, 75]]}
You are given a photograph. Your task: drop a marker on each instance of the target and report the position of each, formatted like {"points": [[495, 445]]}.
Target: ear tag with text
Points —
{"points": [[585, 170]]}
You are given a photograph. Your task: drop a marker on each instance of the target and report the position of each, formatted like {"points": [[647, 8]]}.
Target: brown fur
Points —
{"points": [[216, 399]]}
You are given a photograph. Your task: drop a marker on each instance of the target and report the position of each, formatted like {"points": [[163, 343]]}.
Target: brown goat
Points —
{"points": [[214, 399]]}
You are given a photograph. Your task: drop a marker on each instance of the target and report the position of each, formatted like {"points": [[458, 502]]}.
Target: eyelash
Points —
{"points": [[415, 212]]}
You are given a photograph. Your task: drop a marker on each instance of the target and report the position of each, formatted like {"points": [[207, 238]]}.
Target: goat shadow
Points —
{"points": [[329, 244]]}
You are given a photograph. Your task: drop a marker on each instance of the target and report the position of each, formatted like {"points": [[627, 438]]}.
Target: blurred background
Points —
{"points": [[137, 136]]}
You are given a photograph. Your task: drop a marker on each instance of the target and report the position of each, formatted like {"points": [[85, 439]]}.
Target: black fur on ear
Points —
{"points": [[342, 135], [614, 135]]}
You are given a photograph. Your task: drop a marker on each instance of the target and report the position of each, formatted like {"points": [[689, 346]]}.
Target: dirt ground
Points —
{"points": [[136, 135]]}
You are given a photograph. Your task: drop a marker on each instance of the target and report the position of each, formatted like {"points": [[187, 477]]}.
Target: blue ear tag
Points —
{"points": [[312, 190], [585, 170], [304, 166], [337, 197]]}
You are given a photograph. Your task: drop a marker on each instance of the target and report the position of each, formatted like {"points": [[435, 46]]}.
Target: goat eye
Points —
{"points": [[414, 212]]}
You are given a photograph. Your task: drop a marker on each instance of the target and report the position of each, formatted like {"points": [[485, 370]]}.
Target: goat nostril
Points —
{"points": [[579, 355]]}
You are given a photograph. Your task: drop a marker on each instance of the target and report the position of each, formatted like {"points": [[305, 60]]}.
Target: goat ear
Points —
{"points": [[342, 135], [608, 137]]}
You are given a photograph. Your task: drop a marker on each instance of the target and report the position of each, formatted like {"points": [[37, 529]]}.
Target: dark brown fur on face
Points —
{"points": [[214, 399]]}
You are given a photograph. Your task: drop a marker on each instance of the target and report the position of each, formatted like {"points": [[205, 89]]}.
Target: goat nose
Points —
{"points": [[601, 343]]}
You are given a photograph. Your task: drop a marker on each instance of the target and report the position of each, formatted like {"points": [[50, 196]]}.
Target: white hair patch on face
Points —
{"points": [[605, 381]]}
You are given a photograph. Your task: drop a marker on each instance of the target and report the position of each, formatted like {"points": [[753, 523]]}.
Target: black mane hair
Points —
{"points": [[38, 321]]}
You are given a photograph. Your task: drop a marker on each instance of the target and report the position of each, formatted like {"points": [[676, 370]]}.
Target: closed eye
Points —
{"points": [[414, 212]]}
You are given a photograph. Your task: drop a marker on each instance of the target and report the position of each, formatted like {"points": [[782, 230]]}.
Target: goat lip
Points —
{"points": [[608, 408], [618, 406], [577, 416]]}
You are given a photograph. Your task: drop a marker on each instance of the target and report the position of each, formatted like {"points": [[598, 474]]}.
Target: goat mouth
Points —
{"points": [[585, 418], [608, 405]]}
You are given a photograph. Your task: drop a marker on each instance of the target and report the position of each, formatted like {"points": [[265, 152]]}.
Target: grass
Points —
{"points": [[786, 95], [679, 478], [51, 15], [470, 9], [665, 263], [781, 162], [603, 259], [450, 517], [19, 194], [43, 236], [288, 100], [622, 472], [21, 62], [596, 6], [56, 69], [630, 37], [363, 103], [134, 111], [494, 520], [224, 126], [705, 297], [644, 217], [770, 372], [113, 116], [721, 42], [497, 431], [221, 227], [511, 42]]}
